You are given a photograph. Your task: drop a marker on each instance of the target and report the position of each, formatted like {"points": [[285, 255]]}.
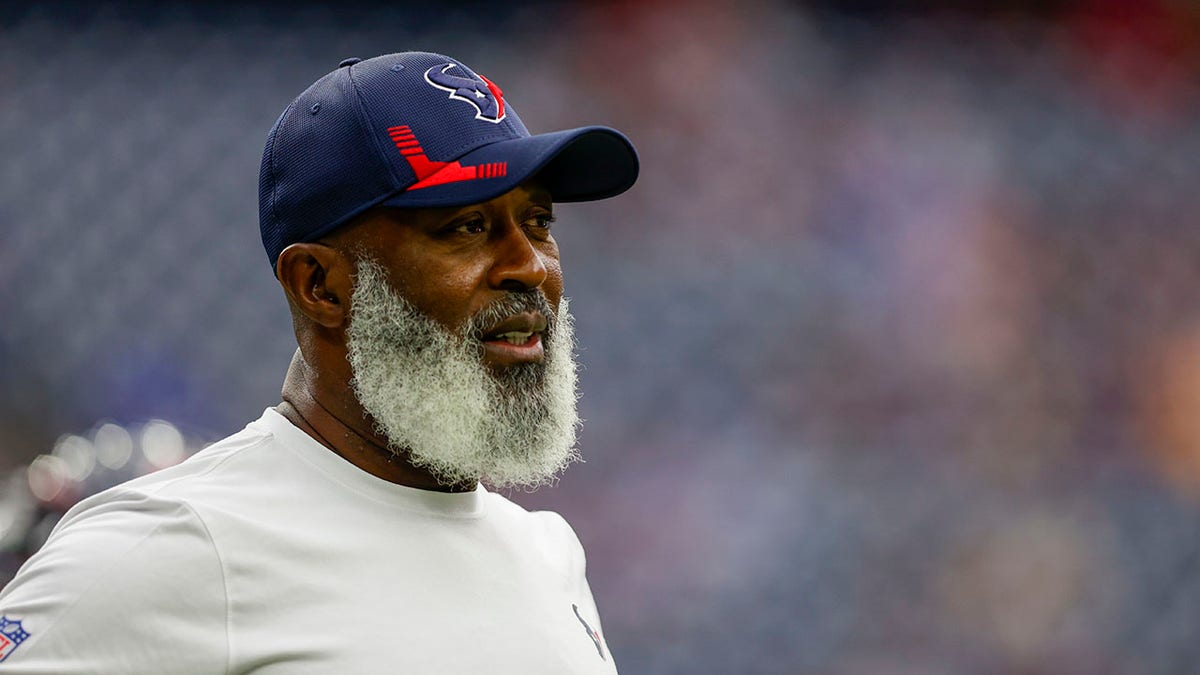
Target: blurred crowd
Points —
{"points": [[892, 356]]}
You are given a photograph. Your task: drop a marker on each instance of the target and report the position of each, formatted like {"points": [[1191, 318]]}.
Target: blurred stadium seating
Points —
{"points": [[892, 356]]}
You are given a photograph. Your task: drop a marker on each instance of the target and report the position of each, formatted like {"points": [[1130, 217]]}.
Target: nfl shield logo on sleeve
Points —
{"points": [[11, 636]]}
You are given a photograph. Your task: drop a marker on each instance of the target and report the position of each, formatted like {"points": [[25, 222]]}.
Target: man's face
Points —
{"points": [[460, 341], [451, 263]]}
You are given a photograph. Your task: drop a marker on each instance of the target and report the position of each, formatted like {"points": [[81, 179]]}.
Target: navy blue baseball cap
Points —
{"points": [[417, 130]]}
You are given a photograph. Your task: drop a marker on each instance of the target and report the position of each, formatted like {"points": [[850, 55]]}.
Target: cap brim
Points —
{"points": [[575, 165]]}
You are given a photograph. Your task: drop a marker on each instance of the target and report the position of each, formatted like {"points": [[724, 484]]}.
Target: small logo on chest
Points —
{"points": [[592, 632], [11, 636]]}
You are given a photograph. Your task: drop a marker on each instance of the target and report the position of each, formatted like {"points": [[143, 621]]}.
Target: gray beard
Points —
{"points": [[442, 409]]}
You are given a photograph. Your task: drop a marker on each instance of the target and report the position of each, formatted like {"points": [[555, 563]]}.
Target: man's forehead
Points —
{"points": [[531, 191], [520, 198]]}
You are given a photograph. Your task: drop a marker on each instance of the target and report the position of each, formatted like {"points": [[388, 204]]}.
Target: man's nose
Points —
{"points": [[518, 265]]}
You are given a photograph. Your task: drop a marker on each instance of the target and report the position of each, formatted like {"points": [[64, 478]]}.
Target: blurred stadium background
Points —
{"points": [[892, 356]]}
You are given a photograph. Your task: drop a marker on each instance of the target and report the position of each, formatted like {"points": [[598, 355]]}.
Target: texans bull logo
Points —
{"points": [[481, 93]]}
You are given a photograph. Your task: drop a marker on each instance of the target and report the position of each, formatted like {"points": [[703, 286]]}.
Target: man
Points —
{"points": [[407, 214]]}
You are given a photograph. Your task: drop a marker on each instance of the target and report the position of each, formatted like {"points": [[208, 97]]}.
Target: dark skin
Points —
{"points": [[449, 263]]}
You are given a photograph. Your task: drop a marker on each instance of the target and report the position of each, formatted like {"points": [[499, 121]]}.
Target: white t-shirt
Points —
{"points": [[267, 553]]}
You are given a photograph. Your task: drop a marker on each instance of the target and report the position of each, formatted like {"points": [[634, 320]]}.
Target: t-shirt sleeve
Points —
{"points": [[127, 583]]}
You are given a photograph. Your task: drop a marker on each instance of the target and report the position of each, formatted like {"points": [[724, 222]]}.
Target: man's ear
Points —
{"points": [[317, 279]]}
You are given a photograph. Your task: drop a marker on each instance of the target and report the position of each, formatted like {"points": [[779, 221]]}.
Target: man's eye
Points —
{"points": [[473, 226], [542, 220]]}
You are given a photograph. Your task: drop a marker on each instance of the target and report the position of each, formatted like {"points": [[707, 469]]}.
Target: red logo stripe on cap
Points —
{"points": [[429, 172], [493, 170]]}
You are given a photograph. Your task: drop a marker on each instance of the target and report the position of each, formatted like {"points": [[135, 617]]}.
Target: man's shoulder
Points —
{"points": [[156, 506], [133, 555], [145, 551], [223, 472], [214, 462], [549, 529], [172, 500]]}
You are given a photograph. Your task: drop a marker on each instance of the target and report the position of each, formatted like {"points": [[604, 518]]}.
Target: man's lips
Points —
{"points": [[505, 353], [517, 339], [525, 322]]}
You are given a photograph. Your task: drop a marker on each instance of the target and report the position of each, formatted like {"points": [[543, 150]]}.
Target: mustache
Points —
{"points": [[513, 302]]}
